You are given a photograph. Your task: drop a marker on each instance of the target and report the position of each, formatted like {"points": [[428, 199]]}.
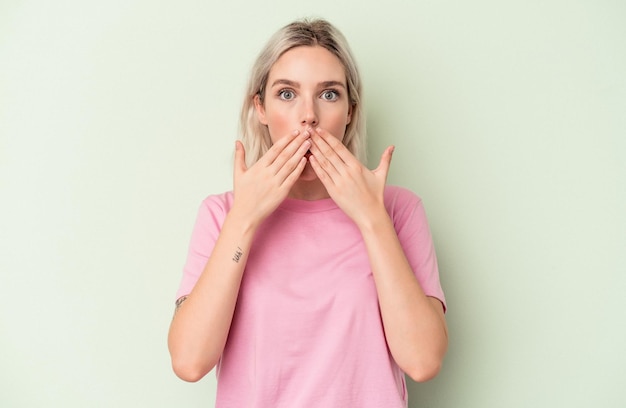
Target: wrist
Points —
{"points": [[374, 221], [242, 222]]}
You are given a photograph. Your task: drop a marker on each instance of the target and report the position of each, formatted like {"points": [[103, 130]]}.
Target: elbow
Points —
{"points": [[187, 365], [425, 371], [190, 367], [189, 371]]}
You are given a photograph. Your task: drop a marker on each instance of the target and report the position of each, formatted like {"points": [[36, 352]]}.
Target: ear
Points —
{"points": [[349, 114], [260, 110]]}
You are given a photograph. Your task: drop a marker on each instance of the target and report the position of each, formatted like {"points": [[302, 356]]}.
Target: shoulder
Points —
{"points": [[397, 197], [216, 205], [404, 207], [223, 200]]}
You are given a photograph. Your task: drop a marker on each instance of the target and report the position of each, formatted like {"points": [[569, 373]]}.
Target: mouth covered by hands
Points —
{"points": [[357, 190], [260, 189]]}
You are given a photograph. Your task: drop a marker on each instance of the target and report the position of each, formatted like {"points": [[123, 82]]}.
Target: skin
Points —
{"points": [[306, 89], [306, 109]]}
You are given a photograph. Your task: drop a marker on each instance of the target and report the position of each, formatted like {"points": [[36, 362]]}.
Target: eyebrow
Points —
{"points": [[294, 84]]}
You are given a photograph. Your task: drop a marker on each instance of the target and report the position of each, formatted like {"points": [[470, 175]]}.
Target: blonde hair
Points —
{"points": [[255, 135]]}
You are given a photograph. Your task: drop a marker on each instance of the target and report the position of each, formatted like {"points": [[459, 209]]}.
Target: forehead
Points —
{"points": [[308, 64]]}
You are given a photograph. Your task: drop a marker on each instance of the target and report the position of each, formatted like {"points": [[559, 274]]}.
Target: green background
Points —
{"points": [[509, 119]]}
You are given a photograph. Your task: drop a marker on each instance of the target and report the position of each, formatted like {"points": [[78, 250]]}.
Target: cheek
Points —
{"points": [[336, 123], [279, 124]]}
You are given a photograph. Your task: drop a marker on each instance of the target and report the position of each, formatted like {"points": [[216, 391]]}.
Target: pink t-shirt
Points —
{"points": [[307, 330]]}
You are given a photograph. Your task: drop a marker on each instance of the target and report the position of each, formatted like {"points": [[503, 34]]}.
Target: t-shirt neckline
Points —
{"points": [[297, 205]]}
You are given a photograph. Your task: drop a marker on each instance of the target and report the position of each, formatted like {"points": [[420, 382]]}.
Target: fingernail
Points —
{"points": [[295, 132], [318, 130]]}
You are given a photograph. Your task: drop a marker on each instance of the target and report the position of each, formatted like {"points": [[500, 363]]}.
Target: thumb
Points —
{"points": [[385, 161], [240, 158]]}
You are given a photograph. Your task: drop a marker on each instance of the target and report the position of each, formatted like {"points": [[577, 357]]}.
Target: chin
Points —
{"points": [[308, 174]]}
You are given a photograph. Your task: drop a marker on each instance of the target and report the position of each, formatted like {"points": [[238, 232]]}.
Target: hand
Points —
{"points": [[357, 190], [259, 190]]}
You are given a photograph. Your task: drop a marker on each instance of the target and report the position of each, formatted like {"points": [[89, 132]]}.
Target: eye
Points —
{"points": [[330, 95], [286, 94]]}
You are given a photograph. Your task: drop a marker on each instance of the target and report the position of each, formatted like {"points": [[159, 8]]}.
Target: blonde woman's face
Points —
{"points": [[306, 87]]}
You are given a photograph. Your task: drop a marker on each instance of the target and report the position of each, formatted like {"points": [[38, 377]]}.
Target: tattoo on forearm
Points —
{"points": [[238, 254]]}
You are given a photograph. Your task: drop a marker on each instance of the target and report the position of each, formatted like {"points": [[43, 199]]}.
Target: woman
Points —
{"points": [[312, 283]]}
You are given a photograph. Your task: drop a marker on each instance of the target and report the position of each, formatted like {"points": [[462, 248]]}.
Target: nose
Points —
{"points": [[309, 115]]}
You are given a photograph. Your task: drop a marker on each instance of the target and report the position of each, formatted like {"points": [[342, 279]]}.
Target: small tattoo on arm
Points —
{"points": [[237, 255], [179, 302]]}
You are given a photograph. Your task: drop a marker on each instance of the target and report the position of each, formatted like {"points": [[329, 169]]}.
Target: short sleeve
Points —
{"points": [[209, 221], [409, 217]]}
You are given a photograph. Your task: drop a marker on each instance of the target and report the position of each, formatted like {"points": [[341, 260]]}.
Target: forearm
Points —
{"points": [[414, 324], [201, 324]]}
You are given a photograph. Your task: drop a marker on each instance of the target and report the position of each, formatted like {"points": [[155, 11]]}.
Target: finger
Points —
{"points": [[334, 143], [329, 152], [321, 173], [293, 160], [385, 161], [276, 148], [292, 177], [291, 153], [326, 160]]}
